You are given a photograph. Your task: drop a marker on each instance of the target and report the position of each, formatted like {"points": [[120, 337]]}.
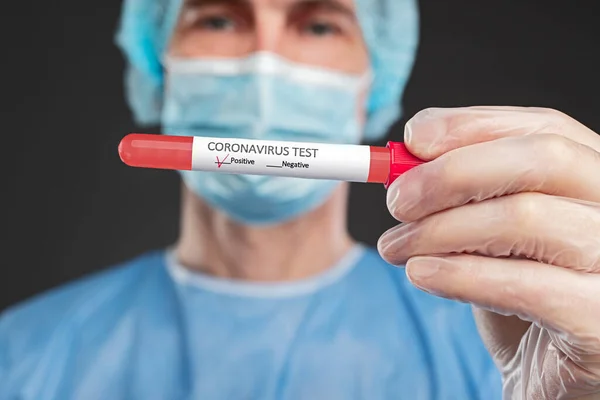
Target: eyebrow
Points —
{"points": [[216, 2], [328, 5]]}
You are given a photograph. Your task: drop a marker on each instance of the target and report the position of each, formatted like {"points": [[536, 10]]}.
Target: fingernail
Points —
{"points": [[393, 193], [407, 134], [425, 130], [421, 269], [395, 245], [404, 195], [384, 242]]}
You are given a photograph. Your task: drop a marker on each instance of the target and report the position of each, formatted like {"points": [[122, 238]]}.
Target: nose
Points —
{"points": [[269, 30]]}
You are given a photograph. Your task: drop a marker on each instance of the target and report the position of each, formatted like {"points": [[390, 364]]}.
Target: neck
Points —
{"points": [[214, 244]]}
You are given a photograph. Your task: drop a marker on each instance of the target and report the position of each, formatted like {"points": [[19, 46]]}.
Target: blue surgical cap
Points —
{"points": [[390, 29]]}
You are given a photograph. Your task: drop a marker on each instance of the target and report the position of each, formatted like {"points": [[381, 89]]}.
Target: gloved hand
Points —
{"points": [[507, 217]]}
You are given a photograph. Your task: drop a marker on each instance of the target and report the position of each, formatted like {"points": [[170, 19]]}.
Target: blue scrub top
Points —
{"points": [[151, 329]]}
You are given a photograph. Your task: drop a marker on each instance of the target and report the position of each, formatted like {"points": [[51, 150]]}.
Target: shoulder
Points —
{"points": [[88, 292], [29, 326]]}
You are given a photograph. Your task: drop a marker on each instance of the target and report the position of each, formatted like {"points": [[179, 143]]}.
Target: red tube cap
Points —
{"points": [[401, 160]]}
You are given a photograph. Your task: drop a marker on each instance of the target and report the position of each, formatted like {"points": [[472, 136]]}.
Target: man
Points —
{"points": [[266, 296]]}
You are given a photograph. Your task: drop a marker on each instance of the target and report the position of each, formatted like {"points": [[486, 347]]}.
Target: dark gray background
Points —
{"points": [[71, 207]]}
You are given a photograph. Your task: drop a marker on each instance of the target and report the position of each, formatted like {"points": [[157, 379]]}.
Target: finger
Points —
{"points": [[554, 298], [550, 229], [435, 131], [549, 164]]}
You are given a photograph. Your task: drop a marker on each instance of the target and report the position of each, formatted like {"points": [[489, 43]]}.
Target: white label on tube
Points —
{"points": [[295, 159]]}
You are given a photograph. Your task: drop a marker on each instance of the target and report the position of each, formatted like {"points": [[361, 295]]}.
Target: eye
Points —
{"points": [[216, 23], [317, 28]]}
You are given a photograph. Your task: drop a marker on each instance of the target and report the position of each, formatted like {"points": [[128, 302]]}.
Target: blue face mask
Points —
{"points": [[261, 97]]}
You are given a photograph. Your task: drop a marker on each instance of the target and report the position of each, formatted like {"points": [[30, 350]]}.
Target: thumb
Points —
{"points": [[500, 334]]}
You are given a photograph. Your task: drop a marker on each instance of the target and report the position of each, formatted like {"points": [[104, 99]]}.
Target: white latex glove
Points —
{"points": [[507, 218]]}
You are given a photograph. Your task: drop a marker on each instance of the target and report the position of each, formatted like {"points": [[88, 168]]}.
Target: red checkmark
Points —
{"points": [[219, 162]]}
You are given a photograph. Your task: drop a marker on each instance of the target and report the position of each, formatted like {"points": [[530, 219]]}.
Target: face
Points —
{"points": [[322, 33]]}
